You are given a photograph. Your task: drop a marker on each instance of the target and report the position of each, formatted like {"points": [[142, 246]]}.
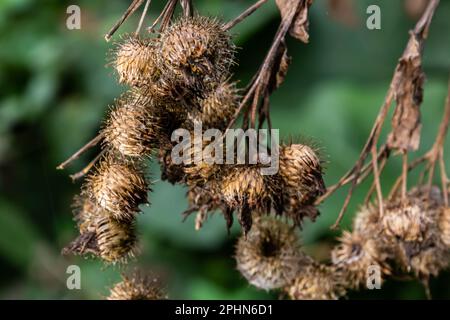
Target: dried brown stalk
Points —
{"points": [[405, 89]]}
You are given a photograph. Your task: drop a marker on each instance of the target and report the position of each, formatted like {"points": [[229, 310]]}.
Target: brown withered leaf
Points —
{"points": [[408, 92], [280, 67], [85, 243], [300, 26]]}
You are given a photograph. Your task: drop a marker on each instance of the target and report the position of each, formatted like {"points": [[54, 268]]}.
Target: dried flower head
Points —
{"points": [[412, 218], [219, 106], [196, 50], [429, 261], [269, 257], [444, 226], [137, 287], [301, 170], [118, 187], [116, 240], [317, 282], [134, 127], [356, 255], [134, 59], [367, 221], [245, 188]]}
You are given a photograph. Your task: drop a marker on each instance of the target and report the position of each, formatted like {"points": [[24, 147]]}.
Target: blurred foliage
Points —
{"points": [[55, 89]]}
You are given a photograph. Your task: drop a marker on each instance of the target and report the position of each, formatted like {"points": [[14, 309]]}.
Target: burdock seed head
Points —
{"points": [[116, 240], [244, 185], [197, 50], [444, 226], [134, 59], [118, 187], [301, 170], [219, 106], [270, 256], [134, 126], [356, 254], [317, 282], [413, 218], [367, 221], [429, 261], [137, 287]]}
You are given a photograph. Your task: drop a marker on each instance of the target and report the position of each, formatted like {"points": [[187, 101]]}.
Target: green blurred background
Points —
{"points": [[54, 92]]}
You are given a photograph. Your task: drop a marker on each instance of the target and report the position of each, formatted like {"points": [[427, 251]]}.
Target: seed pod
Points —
{"points": [[116, 240], [137, 287], [301, 172], [135, 61], [411, 219], [219, 106], [356, 254], [317, 282], [134, 128], [444, 226], [429, 261], [269, 257], [366, 221], [244, 188], [196, 50], [118, 187]]}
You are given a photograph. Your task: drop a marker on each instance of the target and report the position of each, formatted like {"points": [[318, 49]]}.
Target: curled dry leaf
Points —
{"points": [[281, 67], [300, 26], [408, 92]]}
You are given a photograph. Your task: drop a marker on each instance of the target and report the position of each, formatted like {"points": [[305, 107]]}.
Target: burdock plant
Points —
{"points": [[178, 73]]}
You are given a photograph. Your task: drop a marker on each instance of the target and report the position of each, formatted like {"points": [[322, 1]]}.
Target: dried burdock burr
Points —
{"points": [[119, 187], [137, 286], [301, 172], [269, 257], [412, 218], [246, 189], [367, 221], [196, 50], [219, 106], [317, 282], [356, 254], [135, 126], [116, 240], [134, 59], [429, 261], [444, 226]]}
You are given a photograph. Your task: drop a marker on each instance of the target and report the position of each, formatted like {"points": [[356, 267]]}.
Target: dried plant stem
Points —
{"points": [[244, 15], [82, 150], [353, 176], [144, 13], [165, 16], [259, 85], [86, 169], [131, 9]]}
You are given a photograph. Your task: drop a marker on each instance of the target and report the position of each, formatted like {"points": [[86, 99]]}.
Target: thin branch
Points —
{"points": [[131, 9], [86, 169], [144, 13], [82, 150], [244, 15]]}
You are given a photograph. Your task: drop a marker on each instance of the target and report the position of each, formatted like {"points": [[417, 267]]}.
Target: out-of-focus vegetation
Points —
{"points": [[55, 89]]}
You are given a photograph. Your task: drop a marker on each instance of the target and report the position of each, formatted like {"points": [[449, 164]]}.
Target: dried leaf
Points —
{"points": [[280, 68], [408, 90], [85, 243], [300, 26]]}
